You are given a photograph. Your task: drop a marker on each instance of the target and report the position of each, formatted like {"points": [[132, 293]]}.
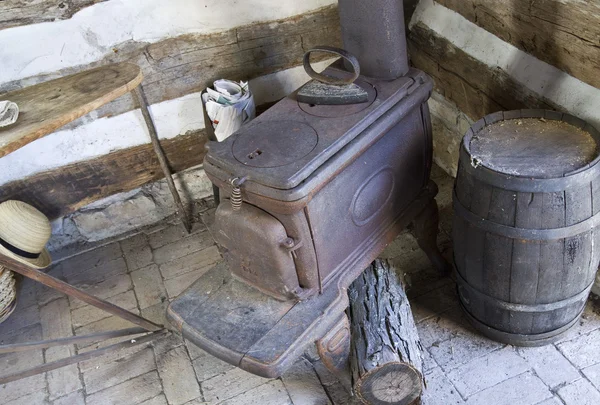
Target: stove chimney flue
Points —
{"points": [[374, 32]]}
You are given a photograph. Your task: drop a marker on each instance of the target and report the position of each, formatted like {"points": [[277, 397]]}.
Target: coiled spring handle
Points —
{"points": [[236, 193]]}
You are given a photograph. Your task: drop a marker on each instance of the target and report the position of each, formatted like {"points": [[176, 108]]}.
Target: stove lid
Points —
{"points": [[274, 143], [285, 145]]}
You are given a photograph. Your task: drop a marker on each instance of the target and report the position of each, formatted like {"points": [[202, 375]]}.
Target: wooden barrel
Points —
{"points": [[526, 204]]}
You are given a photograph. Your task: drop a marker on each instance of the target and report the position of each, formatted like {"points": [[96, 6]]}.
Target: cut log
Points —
{"points": [[386, 353]]}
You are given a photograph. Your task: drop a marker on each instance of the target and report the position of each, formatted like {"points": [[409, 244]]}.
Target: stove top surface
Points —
{"points": [[291, 140]]}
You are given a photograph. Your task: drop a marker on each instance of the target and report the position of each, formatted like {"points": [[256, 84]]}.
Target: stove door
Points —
{"points": [[258, 249]]}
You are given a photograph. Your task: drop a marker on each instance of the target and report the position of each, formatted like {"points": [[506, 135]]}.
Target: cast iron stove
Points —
{"points": [[316, 192]]}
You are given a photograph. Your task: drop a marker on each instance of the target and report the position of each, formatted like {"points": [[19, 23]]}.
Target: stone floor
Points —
{"points": [[145, 271]]}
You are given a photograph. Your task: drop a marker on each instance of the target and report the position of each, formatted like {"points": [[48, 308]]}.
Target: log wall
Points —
{"points": [[107, 156], [563, 33]]}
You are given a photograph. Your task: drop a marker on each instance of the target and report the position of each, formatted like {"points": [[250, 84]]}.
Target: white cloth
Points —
{"points": [[9, 112], [229, 105]]}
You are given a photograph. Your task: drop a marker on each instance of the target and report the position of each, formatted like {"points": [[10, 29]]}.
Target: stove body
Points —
{"points": [[316, 193], [322, 184]]}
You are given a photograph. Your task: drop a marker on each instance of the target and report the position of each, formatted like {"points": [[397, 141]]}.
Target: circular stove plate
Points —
{"points": [[274, 143]]}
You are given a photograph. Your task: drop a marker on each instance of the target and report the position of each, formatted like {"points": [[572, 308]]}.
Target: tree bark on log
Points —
{"points": [[386, 353]]}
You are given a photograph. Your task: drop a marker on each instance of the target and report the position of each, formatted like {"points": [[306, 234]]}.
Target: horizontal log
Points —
{"points": [[565, 34], [473, 86], [24, 12], [189, 63], [61, 191]]}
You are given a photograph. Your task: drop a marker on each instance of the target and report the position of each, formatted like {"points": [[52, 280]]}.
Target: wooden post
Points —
{"points": [[160, 154], [386, 354]]}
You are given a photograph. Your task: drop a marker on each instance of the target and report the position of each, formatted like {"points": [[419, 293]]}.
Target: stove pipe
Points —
{"points": [[374, 32]]}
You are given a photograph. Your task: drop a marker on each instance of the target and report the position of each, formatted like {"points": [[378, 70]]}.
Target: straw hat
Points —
{"points": [[24, 233]]}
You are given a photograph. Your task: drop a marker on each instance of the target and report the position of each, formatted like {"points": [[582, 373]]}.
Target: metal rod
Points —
{"points": [[81, 357], [75, 292], [23, 347], [139, 93]]}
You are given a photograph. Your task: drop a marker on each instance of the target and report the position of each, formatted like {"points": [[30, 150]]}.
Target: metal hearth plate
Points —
{"points": [[249, 329]]}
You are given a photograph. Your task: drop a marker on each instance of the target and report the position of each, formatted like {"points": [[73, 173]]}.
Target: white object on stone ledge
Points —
{"points": [[9, 112]]}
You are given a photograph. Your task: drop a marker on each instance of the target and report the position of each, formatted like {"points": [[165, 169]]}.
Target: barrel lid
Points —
{"points": [[532, 143], [284, 146]]}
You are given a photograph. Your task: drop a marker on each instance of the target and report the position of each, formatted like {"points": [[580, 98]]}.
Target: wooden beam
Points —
{"points": [[24, 12], [563, 34], [189, 63], [61, 191], [476, 89], [48, 106]]}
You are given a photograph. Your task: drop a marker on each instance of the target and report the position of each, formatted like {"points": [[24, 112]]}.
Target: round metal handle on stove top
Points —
{"points": [[329, 79]]}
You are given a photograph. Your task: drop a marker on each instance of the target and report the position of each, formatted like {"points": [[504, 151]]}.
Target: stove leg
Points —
{"points": [[425, 229], [334, 351]]}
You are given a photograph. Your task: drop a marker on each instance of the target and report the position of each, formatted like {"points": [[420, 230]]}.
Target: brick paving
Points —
{"points": [[144, 272]]}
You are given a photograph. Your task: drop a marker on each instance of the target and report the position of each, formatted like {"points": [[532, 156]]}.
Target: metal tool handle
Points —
{"points": [[329, 79]]}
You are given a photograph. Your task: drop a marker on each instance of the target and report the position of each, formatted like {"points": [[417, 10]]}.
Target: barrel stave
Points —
{"points": [[526, 256], [498, 256], [578, 248]]}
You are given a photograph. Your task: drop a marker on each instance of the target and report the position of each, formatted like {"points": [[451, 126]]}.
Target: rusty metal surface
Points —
{"points": [[349, 200], [334, 351], [258, 249], [305, 257]]}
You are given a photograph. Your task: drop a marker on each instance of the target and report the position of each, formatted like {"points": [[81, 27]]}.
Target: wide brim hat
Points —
{"points": [[24, 233]]}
